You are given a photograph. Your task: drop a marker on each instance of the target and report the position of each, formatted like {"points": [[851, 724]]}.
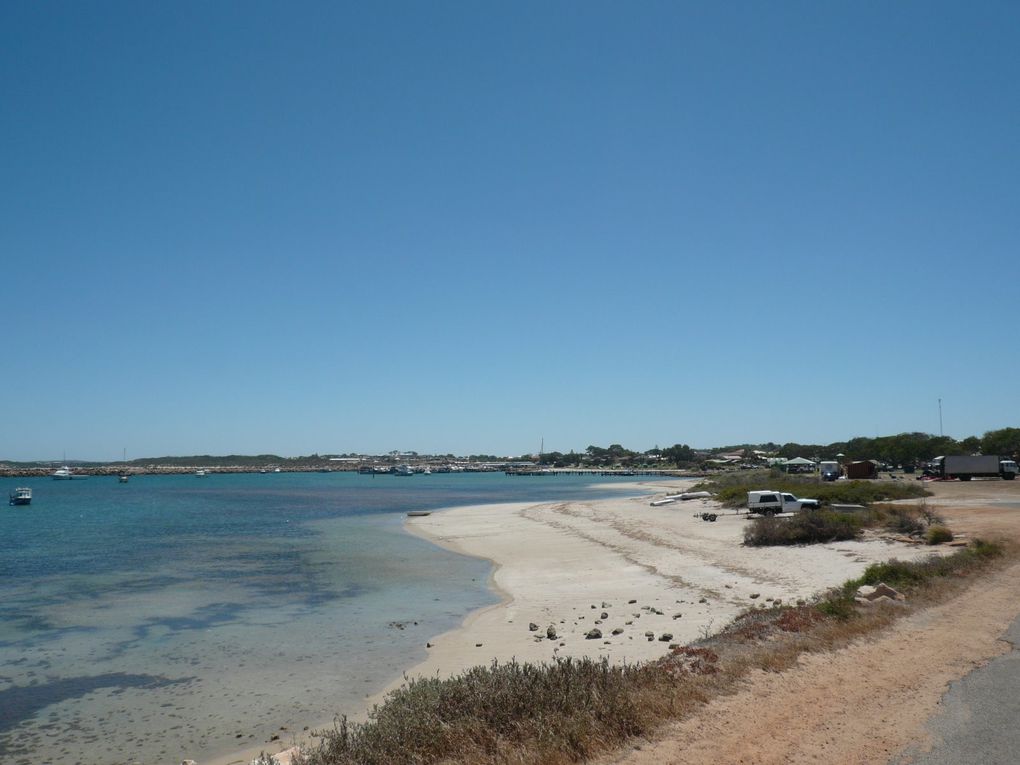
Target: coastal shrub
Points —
{"points": [[906, 575], [806, 527], [568, 710], [902, 519], [937, 535]]}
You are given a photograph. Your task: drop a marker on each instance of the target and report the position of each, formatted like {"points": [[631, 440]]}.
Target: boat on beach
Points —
{"points": [[21, 496]]}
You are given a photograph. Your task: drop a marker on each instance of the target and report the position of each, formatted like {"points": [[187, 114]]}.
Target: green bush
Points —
{"points": [[806, 527], [938, 535], [570, 707]]}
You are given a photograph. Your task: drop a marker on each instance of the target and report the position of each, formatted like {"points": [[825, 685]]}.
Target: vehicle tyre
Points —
{"points": [[769, 513], [1008, 476], [712, 517]]}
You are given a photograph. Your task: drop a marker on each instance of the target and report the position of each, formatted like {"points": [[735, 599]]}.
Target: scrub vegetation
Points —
{"points": [[819, 526]]}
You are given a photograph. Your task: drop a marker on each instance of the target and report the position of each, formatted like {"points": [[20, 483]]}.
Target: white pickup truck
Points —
{"points": [[767, 502]]}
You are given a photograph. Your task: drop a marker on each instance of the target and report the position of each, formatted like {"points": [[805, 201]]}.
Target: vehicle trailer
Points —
{"points": [[967, 466]]}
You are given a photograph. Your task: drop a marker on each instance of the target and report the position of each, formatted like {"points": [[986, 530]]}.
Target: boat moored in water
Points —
{"points": [[201, 473], [21, 496]]}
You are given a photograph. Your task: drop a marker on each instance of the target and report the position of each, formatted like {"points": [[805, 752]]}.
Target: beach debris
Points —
{"points": [[606, 605], [618, 631], [677, 615], [428, 645], [188, 762], [594, 634], [754, 595], [665, 637], [478, 645], [633, 600], [703, 600], [532, 626], [650, 635], [550, 632]]}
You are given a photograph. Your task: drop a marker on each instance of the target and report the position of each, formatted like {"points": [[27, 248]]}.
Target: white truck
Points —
{"points": [[769, 502], [967, 466]]}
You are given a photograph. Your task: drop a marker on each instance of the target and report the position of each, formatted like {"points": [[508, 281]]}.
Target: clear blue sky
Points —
{"points": [[464, 227]]}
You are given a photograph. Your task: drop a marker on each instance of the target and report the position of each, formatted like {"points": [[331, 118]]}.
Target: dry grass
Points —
{"points": [[572, 710]]}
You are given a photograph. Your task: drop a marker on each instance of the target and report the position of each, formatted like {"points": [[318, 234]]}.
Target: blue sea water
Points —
{"points": [[180, 616]]}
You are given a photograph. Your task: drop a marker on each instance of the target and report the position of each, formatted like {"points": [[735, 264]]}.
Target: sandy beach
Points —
{"points": [[635, 572], [622, 566]]}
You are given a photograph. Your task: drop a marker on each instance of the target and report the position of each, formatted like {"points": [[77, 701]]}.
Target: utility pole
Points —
{"points": [[940, 419]]}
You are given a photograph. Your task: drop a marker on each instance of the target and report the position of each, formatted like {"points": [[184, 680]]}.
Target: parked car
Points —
{"points": [[768, 502]]}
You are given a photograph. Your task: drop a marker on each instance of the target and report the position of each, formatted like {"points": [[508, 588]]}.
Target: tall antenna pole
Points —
{"points": [[940, 418]]}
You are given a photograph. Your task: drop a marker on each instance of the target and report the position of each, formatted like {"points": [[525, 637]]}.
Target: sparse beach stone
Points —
{"points": [[665, 637], [532, 626], [593, 634], [550, 632], [755, 595], [605, 615], [618, 631]]}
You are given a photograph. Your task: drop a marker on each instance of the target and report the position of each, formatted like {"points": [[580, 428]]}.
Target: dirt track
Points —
{"points": [[869, 702]]}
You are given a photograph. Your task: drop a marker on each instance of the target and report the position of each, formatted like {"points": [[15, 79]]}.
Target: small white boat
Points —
{"points": [[65, 474], [122, 478], [660, 502], [402, 470], [694, 495], [201, 473], [21, 496]]}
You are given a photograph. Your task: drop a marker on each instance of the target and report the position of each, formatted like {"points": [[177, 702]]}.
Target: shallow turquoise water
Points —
{"points": [[179, 616]]}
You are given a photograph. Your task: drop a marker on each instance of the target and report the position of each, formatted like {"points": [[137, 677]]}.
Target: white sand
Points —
{"points": [[554, 562]]}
